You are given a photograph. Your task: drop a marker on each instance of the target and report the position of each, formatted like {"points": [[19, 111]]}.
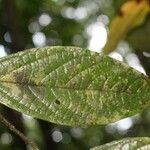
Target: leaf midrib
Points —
{"points": [[62, 87]]}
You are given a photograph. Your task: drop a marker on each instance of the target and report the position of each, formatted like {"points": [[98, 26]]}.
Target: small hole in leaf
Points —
{"points": [[57, 102]]}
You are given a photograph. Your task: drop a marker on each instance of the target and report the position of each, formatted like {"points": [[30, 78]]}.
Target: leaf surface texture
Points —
{"points": [[71, 86]]}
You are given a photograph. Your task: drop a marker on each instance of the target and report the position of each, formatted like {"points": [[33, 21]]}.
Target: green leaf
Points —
{"points": [[71, 86], [142, 143]]}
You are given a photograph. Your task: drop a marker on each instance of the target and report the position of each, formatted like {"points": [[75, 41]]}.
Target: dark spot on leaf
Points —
{"points": [[22, 79], [23, 83], [121, 13], [57, 102], [138, 1]]}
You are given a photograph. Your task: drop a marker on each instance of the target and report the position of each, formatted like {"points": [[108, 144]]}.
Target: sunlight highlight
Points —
{"points": [[2, 51], [39, 39], [98, 35], [124, 124]]}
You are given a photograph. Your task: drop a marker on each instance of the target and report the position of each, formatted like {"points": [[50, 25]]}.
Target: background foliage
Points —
{"points": [[71, 22]]}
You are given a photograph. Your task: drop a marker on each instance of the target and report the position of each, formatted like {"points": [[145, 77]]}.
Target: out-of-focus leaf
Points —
{"points": [[132, 14], [127, 144], [71, 86]]}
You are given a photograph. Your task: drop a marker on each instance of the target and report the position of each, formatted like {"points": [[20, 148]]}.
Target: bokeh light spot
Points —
{"points": [[2, 51], [6, 138], [57, 136], [39, 39], [98, 35], [45, 19]]}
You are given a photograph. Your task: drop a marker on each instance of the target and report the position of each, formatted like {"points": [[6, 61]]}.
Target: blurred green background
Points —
{"points": [[84, 23]]}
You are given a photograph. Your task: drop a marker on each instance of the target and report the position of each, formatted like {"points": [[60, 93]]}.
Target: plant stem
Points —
{"points": [[21, 135]]}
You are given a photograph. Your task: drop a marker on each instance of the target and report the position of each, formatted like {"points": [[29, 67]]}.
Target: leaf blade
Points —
{"points": [[142, 143], [71, 86]]}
